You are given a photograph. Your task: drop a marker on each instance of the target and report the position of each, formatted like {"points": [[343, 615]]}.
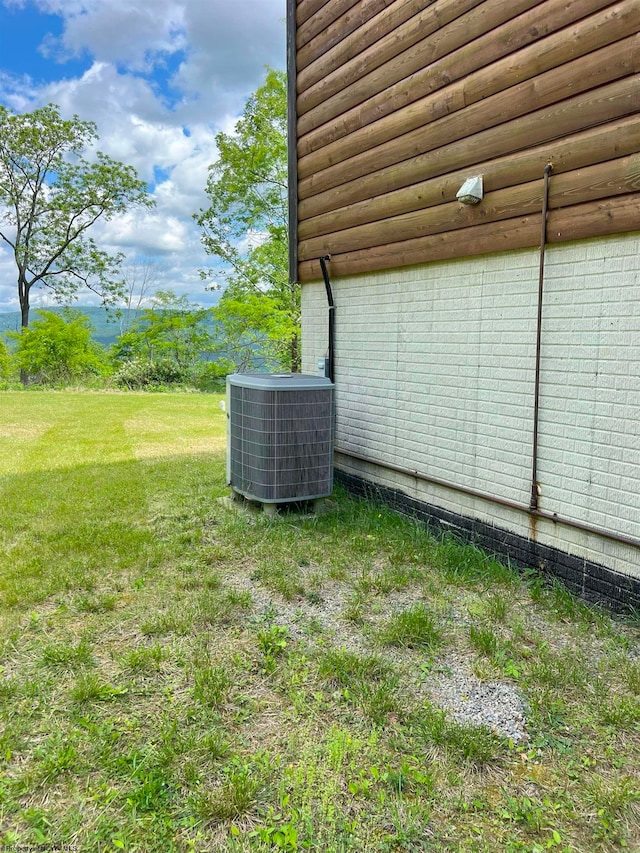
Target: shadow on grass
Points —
{"points": [[73, 528]]}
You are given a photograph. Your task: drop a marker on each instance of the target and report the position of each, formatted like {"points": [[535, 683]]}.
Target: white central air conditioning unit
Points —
{"points": [[280, 436]]}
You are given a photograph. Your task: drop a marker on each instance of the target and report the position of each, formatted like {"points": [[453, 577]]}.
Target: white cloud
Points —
{"points": [[210, 55], [8, 284], [119, 31], [145, 232]]}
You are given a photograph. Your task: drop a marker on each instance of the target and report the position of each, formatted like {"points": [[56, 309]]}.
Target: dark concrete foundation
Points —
{"points": [[591, 581]]}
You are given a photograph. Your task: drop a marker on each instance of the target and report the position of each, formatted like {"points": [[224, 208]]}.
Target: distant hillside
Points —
{"points": [[106, 325]]}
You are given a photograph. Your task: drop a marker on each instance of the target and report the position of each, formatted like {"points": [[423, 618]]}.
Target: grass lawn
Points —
{"points": [[180, 675]]}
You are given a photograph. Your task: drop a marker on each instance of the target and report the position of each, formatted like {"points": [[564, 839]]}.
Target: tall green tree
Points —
{"points": [[51, 196], [251, 330], [245, 224], [58, 348]]}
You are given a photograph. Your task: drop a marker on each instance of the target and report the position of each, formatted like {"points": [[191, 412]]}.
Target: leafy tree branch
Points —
{"points": [[51, 195], [245, 226]]}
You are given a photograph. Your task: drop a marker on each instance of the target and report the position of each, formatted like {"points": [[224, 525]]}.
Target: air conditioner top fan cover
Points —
{"points": [[280, 436]]}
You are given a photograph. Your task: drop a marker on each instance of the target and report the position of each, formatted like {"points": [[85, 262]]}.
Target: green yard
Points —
{"points": [[177, 674]]}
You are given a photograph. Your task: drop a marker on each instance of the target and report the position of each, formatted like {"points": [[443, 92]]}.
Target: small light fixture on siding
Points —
{"points": [[471, 191]]}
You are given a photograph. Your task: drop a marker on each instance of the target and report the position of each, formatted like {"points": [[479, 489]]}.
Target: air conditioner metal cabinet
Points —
{"points": [[280, 436]]}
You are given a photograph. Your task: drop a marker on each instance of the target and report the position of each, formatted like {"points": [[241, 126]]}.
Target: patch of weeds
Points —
{"points": [[149, 785], [621, 712], [483, 640], [547, 715], [146, 659], [189, 583], [557, 669], [343, 667], [218, 608], [408, 778], [377, 701], [631, 676], [564, 605], [96, 603], [222, 553], [557, 600], [338, 569], [9, 688], [365, 681], [313, 627], [152, 789], [213, 581], [272, 642], [354, 609], [611, 802], [169, 622], [39, 822], [56, 756], [474, 745], [499, 652], [67, 654], [277, 833], [105, 735], [214, 745], [174, 740], [389, 579], [285, 579], [496, 608], [415, 628], [90, 688], [468, 565], [211, 684], [238, 599], [241, 785], [314, 598], [12, 739], [530, 812], [396, 577]]}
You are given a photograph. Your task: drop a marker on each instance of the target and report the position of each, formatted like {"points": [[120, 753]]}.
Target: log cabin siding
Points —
{"points": [[398, 102]]}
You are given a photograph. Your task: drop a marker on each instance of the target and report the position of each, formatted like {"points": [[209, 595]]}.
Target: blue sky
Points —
{"points": [[160, 78]]}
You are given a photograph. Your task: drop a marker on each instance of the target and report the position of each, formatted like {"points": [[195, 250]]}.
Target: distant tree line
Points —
{"points": [[169, 342]]}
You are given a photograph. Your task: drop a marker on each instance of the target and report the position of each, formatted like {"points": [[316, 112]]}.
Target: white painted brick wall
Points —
{"points": [[435, 372]]}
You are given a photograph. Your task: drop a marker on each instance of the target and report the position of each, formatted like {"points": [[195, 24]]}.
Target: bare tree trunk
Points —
{"points": [[295, 354], [23, 293]]}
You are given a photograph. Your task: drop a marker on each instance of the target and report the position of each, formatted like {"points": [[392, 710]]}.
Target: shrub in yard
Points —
{"points": [[5, 362], [58, 349], [140, 373]]}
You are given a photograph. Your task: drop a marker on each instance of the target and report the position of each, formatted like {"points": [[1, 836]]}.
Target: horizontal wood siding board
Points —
{"points": [[394, 15], [580, 112], [292, 165], [409, 43], [336, 32], [512, 36], [593, 219], [307, 8], [590, 34], [592, 146], [604, 180], [325, 16], [588, 72]]}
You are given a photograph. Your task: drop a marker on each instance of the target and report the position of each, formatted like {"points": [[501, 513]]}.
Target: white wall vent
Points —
{"points": [[280, 436]]}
